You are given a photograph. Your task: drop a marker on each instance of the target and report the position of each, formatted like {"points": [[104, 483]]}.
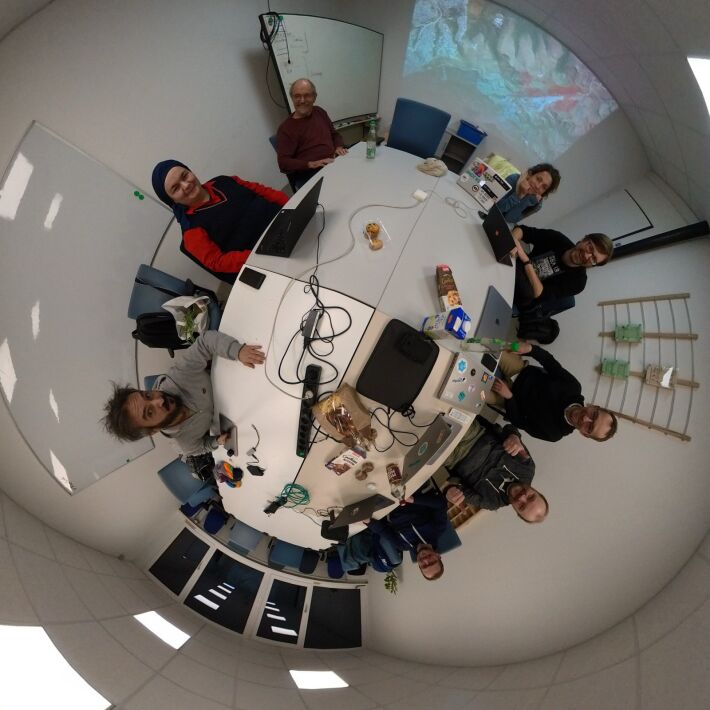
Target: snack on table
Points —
{"points": [[446, 287], [372, 229], [376, 244]]}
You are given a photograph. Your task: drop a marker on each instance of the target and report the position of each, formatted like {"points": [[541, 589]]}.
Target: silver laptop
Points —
{"points": [[469, 381], [495, 317], [426, 449], [362, 510]]}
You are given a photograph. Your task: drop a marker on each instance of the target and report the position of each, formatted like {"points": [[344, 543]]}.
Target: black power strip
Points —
{"points": [[311, 381]]}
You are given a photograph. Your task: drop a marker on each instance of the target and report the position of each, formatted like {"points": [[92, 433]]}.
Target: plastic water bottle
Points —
{"points": [[371, 140]]}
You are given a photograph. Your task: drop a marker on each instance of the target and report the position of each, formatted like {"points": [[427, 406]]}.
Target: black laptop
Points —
{"points": [[499, 235], [288, 225], [362, 510]]}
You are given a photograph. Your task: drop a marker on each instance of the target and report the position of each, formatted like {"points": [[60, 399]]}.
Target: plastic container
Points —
{"points": [[470, 133]]}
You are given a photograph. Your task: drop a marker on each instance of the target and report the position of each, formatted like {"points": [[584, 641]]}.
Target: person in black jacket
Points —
{"points": [[416, 526], [547, 402], [555, 268], [496, 471]]}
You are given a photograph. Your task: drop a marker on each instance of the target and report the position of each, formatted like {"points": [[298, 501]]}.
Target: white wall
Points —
{"points": [[85, 600]]}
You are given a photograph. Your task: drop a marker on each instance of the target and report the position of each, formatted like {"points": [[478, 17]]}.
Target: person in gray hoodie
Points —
{"points": [[493, 469]]}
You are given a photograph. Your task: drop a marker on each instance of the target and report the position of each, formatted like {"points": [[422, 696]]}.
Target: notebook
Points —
{"points": [[469, 381], [287, 227], [362, 510], [425, 450]]}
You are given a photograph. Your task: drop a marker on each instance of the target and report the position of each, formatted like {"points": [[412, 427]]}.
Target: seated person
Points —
{"points": [[221, 220], [556, 268], [494, 470], [547, 401], [306, 141], [528, 191], [417, 525], [180, 405], [368, 548]]}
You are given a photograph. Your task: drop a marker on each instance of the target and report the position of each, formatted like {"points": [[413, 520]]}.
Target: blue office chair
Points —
{"points": [[335, 567], [284, 554], [214, 521], [243, 538], [417, 128], [309, 561], [153, 287], [180, 482], [294, 189]]}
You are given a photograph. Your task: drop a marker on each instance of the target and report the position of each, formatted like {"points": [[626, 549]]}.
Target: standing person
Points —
{"points": [[221, 220], [306, 141], [527, 192]]}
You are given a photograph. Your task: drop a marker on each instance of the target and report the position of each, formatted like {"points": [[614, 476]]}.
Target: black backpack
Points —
{"points": [[542, 330], [158, 330]]}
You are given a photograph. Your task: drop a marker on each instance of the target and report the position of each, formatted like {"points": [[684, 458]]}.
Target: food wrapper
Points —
{"points": [[342, 416]]}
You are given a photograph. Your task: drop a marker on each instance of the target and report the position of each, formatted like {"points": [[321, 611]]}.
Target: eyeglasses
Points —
{"points": [[305, 97], [588, 247]]}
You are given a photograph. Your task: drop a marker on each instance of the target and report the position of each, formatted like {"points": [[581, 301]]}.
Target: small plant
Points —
{"points": [[187, 329], [391, 582]]}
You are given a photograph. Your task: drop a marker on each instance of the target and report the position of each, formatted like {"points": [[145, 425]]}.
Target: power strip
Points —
{"points": [[311, 381]]}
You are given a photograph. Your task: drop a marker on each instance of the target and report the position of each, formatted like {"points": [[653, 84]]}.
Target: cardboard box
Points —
{"points": [[455, 323], [446, 287]]}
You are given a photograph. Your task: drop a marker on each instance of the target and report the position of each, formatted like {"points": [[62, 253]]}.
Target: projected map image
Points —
{"points": [[505, 71]]}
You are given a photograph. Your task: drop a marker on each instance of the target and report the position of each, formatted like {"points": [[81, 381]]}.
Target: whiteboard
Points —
{"points": [[342, 60], [72, 235]]}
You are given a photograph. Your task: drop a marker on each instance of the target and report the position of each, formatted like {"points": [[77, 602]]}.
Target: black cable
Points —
{"points": [[392, 431]]}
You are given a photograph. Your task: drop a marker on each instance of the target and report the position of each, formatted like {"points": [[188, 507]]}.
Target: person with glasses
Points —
{"points": [[306, 141], [528, 190], [547, 401], [549, 267]]}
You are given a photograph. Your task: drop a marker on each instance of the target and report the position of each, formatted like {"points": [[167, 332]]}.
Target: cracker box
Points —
{"points": [[446, 288], [346, 460]]}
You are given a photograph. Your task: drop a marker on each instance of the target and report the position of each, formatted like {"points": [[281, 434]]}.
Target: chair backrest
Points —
{"points": [[179, 481], [214, 521], [153, 287], [149, 381], [243, 537], [417, 128], [309, 561], [335, 568], [285, 554]]}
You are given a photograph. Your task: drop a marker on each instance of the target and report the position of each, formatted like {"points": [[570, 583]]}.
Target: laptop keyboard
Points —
{"points": [[274, 242]]}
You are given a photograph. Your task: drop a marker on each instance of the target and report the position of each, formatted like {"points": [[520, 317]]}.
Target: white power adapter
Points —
{"points": [[420, 195]]}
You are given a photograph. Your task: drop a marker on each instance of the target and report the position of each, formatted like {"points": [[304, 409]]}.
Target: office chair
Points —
{"points": [[284, 554], [309, 561], [294, 189], [179, 481], [417, 128], [153, 287], [243, 538]]}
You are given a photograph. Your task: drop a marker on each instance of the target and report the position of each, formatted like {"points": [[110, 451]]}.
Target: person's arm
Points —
{"points": [[551, 365], [209, 345], [198, 243], [268, 193], [525, 265]]}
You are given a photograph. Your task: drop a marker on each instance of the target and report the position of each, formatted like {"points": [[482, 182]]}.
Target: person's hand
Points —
{"points": [[455, 495], [222, 439], [501, 388], [341, 151], [313, 164], [513, 445], [517, 233], [251, 355], [523, 348], [519, 252]]}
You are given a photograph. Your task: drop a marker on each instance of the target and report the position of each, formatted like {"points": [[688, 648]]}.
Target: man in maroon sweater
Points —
{"points": [[306, 141]]}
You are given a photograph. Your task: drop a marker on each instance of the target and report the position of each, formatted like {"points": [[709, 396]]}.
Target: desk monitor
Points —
{"points": [[499, 235], [284, 232]]}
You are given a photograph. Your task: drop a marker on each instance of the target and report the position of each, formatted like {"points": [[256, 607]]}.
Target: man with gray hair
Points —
{"points": [[306, 141]]}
